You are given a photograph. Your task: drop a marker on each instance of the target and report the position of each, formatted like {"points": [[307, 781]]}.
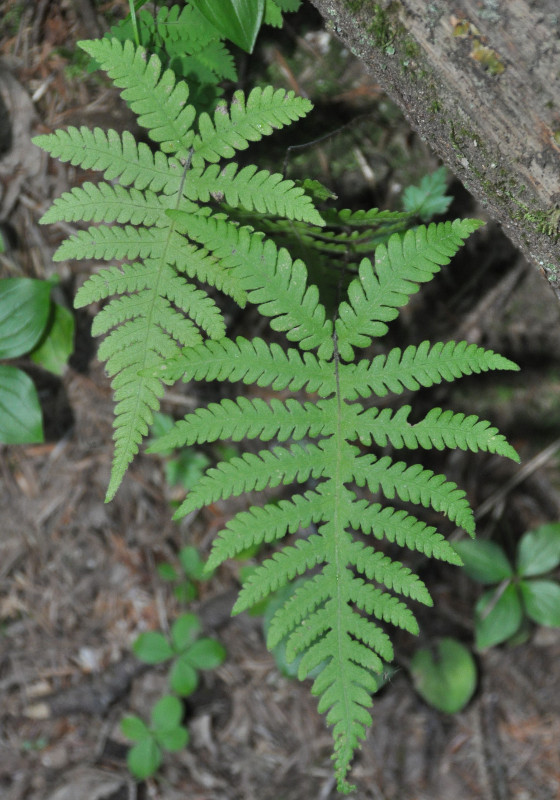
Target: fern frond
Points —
{"points": [[275, 283], [159, 327], [439, 429], [416, 485], [249, 119], [253, 472], [155, 96], [103, 202], [117, 155], [246, 419], [400, 266], [253, 361], [417, 366], [266, 523], [253, 190], [277, 571], [406, 530]]}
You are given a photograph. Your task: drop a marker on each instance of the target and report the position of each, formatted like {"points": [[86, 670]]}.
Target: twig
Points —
{"points": [[521, 475]]}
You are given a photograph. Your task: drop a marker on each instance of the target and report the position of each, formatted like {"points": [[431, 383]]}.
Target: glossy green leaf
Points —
{"points": [[167, 713], [184, 631], [183, 677], [152, 648], [206, 654], [542, 601], [24, 311], [539, 550], [21, 421], [497, 617], [236, 20], [446, 676], [484, 561], [57, 345], [144, 758], [134, 728]]}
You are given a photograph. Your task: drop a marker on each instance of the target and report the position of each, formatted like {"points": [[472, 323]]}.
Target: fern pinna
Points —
{"points": [[337, 618]]}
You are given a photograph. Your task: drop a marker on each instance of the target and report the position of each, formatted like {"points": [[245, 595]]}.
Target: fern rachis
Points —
{"points": [[161, 328]]}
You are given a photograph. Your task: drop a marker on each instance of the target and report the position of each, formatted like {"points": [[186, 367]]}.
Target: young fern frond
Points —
{"points": [[156, 310], [324, 620], [161, 328]]}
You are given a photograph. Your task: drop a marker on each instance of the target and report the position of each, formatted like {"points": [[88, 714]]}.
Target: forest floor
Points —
{"points": [[78, 578]]}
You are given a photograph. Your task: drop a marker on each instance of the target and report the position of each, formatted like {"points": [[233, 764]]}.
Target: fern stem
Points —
{"points": [[134, 22]]}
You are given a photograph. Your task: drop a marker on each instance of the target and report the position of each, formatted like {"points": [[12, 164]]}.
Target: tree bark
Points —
{"points": [[480, 81]]}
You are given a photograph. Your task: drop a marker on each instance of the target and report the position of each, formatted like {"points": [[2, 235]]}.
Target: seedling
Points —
{"points": [[188, 653], [519, 593], [165, 733]]}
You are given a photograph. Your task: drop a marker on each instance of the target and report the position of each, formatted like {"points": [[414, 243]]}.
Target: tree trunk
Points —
{"points": [[480, 81]]}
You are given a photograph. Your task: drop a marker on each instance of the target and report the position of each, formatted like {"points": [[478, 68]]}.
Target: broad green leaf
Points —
{"points": [[206, 654], [57, 345], [173, 739], [144, 758], [24, 311], [539, 550], [134, 728], [183, 677], [236, 20], [184, 631], [497, 616], [484, 561], [21, 421], [152, 648], [445, 676], [167, 713], [542, 601]]}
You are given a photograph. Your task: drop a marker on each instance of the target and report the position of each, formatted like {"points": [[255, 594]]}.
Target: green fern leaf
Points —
{"points": [[106, 203], [253, 472], [406, 261], [155, 96], [248, 120], [117, 155], [271, 279], [439, 429], [253, 190], [417, 366], [159, 327], [252, 361]]}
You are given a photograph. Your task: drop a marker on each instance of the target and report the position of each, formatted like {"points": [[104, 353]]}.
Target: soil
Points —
{"points": [[78, 577]]}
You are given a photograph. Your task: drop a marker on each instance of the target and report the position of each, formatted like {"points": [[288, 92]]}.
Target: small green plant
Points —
{"points": [[429, 198], [164, 734], [444, 675], [186, 579], [521, 593], [187, 652], [30, 324]]}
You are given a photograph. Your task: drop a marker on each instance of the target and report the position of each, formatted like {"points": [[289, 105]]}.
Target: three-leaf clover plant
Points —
{"points": [[519, 592], [188, 652], [165, 733]]}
